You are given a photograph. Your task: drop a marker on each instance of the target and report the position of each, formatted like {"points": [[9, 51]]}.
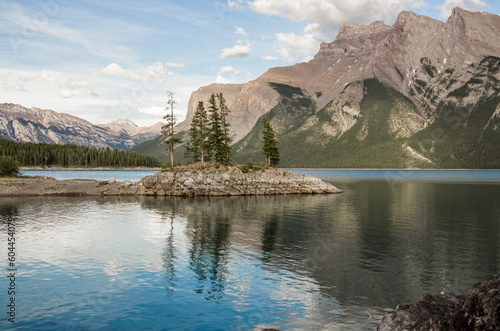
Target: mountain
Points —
{"points": [[419, 93], [137, 134], [22, 124]]}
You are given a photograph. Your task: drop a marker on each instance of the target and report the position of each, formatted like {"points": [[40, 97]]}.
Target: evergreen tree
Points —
{"points": [[168, 128], [216, 132], [200, 133], [269, 144], [224, 113], [9, 167], [190, 153]]}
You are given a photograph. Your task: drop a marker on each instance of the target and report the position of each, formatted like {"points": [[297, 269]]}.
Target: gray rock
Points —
{"points": [[232, 181], [479, 310]]}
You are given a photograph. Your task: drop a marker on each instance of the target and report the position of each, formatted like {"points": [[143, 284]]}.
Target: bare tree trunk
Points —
{"points": [[172, 157], [172, 130]]}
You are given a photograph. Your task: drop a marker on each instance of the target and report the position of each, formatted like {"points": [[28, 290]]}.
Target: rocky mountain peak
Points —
{"points": [[420, 57], [349, 29], [409, 21]]}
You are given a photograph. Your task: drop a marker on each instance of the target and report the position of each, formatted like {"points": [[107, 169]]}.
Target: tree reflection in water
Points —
{"points": [[208, 255], [169, 257]]}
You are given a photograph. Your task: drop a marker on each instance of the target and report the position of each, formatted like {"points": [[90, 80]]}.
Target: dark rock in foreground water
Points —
{"points": [[479, 310]]}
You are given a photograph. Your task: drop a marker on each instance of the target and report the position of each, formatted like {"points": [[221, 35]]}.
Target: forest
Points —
{"points": [[68, 155]]}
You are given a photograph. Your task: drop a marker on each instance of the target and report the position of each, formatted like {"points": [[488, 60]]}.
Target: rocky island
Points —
{"points": [[223, 181]]}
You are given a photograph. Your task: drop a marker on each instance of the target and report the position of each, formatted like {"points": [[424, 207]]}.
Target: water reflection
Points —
{"points": [[169, 260], [8, 211], [318, 261], [378, 244]]}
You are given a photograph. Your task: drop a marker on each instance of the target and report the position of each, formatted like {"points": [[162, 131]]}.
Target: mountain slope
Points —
{"points": [[36, 125], [339, 135], [379, 96], [136, 133]]}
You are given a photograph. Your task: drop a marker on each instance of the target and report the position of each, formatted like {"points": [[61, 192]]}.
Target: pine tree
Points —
{"points": [[202, 138], [216, 132], [224, 113], [168, 129], [269, 144]]}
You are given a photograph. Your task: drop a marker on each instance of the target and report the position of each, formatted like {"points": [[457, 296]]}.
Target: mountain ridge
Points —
{"points": [[23, 124], [436, 72]]}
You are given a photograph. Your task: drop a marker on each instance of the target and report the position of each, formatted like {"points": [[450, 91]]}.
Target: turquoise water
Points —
{"points": [[333, 262], [424, 176], [133, 175]]}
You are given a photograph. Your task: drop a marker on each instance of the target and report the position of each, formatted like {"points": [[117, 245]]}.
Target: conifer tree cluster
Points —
{"points": [[270, 144], [40, 154], [209, 133]]}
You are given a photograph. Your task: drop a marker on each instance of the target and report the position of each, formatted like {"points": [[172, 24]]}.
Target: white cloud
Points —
{"points": [[228, 70], [305, 43], [174, 65], [472, 5], [124, 49], [157, 71], [331, 13], [222, 80], [236, 4], [269, 58], [71, 85], [237, 51], [241, 31], [13, 87], [285, 55], [152, 110]]}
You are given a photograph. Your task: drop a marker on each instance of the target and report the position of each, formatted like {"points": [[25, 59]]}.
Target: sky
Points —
{"points": [[105, 60]]}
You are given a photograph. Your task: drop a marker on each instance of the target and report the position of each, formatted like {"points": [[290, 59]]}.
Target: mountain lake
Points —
{"points": [[323, 262]]}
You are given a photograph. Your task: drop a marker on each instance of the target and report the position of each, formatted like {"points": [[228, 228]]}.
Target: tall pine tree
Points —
{"points": [[199, 145], [224, 113], [269, 144], [216, 132], [168, 128]]}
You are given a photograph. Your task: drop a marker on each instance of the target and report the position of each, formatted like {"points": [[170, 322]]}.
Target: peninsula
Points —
{"points": [[212, 181]]}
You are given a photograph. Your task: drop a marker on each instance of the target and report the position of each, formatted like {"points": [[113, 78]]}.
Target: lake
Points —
{"points": [[334, 262], [133, 175]]}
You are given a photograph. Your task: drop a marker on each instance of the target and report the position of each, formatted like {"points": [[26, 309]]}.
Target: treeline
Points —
{"points": [[67, 155]]}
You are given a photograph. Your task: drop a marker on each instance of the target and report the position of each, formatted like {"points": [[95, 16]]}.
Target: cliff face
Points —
{"points": [[247, 102]]}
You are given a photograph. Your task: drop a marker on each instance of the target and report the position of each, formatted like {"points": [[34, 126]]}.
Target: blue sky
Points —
{"points": [[105, 60]]}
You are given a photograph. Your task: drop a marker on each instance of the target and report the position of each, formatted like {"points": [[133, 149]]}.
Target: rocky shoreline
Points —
{"points": [[211, 182], [479, 310]]}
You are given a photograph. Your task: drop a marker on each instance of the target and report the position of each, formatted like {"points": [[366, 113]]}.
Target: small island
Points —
{"points": [[192, 180]]}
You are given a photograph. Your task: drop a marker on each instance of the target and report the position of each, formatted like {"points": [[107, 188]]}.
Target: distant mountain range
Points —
{"points": [[420, 93], [22, 124]]}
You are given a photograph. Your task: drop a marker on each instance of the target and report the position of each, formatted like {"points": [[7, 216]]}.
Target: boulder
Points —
{"points": [[479, 310]]}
